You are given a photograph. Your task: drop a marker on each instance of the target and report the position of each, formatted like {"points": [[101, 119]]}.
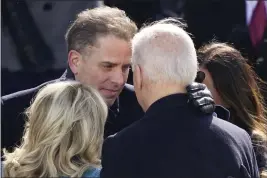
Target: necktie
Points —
{"points": [[258, 23]]}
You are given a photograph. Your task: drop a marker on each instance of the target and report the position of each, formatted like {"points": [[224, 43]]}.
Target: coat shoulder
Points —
{"points": [[127, 93], [222, 125], [129, 87], [23, 93], [128, 97]]}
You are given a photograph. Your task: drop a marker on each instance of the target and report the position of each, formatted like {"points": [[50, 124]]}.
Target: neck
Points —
{"points": [[158, 91]]}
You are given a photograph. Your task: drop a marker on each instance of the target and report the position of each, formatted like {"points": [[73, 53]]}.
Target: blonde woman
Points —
{"points": [[63, 134]]}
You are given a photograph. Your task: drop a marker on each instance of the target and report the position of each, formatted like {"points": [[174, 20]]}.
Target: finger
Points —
{"points": [[195, 87], [207, 109], [200, 94], [203, 101]]}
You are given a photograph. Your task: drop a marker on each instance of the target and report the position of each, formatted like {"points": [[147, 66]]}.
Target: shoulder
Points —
{"points": [[236, 140], [121, 139], [231, 133], [92, 173], [128, 94], [116, 149], [129, 104], [128, 91], [23, 93], [30, 92], [226, 126], [129, 87], [117, 142]]}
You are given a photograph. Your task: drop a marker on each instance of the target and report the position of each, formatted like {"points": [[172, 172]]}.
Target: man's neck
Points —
{"points": [[157, 92]]}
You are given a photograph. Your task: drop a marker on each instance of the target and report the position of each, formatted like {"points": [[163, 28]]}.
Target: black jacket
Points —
{"points": [[124, 112], [260, 147], [173, 140]]}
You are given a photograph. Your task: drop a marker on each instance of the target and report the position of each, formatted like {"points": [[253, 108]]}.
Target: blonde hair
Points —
{"points": [[63, 133]]}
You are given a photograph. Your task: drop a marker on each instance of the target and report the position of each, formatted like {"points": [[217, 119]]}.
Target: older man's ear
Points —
{"points": [[137, 77], [201, 97]]}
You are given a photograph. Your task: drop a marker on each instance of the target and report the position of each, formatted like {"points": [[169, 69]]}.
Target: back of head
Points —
{"points": [[237, 85], [63, 134], [166, 53], [101, 21]]}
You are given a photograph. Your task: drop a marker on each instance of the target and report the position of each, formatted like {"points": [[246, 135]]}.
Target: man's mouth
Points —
{"points": [[109, 92]]}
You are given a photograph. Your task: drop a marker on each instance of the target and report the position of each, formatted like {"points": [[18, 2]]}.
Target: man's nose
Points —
{"points": [[118, 77]]}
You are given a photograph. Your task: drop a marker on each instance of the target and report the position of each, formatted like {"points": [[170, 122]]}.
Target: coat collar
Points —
{"points": [[173, 100], [222, 113]]}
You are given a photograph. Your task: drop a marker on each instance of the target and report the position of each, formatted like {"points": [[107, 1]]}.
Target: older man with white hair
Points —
{"points": [[173, 139]]}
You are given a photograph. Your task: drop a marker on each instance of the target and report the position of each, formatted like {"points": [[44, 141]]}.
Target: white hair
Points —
{"points": [[166, 53]]}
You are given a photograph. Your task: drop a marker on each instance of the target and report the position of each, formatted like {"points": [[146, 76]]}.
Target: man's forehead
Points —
{"points": [[117, 52], [99, 57]]}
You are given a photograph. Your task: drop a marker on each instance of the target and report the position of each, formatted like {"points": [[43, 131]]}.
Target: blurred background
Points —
{"points": [[33, 49]]}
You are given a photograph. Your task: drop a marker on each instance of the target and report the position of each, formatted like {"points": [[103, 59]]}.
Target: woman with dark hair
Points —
{"points": [[235, 86]]}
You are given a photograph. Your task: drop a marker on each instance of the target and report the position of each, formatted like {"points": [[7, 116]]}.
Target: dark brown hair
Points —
{"points": [[238, 86], [92, 23]]}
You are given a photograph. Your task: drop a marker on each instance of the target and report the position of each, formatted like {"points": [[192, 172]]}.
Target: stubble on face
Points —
{"points": [[107, 67]]}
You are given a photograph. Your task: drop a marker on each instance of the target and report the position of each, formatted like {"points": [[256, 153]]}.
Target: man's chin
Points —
{"points": [[110, 101]]}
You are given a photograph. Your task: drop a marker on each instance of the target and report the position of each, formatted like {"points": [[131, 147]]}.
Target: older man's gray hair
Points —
{"points": [[165, 52]]}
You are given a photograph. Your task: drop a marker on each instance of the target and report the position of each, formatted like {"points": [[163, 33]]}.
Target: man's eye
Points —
{"points": [[107, 66], [126, 68]]}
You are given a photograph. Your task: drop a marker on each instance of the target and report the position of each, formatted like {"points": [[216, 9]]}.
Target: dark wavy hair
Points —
{"points": [[238, 86]]}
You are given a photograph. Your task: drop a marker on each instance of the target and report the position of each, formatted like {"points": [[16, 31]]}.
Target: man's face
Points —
{"points": [[106, 67]]}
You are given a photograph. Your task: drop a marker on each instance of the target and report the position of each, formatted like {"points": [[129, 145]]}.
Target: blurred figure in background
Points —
{"points": [[235, 86], [144, 11], [239, 22], [230, 21], [33, 34], [63, 134], [256, 19]]}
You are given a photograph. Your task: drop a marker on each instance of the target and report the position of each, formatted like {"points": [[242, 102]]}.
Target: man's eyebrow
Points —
{"points": [[115, 64], [109, 63]]}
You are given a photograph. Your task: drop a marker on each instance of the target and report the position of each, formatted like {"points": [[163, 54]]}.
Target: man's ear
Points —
{"points": [[74, 60], [137, 77]]}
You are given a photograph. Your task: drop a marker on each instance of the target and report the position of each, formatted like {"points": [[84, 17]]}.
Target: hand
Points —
{"points": [[201, 98]]}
